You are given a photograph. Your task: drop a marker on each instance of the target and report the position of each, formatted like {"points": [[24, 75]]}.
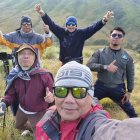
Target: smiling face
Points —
{"points": [[71, 108], [71, 28], [26, 27]]}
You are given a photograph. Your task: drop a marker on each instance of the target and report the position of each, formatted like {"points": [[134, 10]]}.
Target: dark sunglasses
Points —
{"points": [[117, 35], [71, 24], [26, 23], [77, 92]]}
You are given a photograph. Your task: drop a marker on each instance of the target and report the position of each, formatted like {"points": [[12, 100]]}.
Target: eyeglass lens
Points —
{"points": [[71, 23], [77, 92], [26, 23], [117, 35]]}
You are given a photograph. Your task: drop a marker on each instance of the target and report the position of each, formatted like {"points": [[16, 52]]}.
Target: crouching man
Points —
{"points": [[32, 85]]}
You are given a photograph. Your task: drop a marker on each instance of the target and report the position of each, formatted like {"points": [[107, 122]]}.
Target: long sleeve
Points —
{"points": [[93, 62], [91, 30], [56, 29], [130, 74], [127, 129], [9, 95], [6, 40]]}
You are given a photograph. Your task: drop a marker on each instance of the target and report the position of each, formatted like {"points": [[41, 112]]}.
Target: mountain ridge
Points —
{"points": [[126, 15]]}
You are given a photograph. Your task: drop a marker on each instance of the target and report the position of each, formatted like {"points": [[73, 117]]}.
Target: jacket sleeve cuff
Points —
{"points": [[7, 104], [104, 21], [130, 90], [49, 34]]}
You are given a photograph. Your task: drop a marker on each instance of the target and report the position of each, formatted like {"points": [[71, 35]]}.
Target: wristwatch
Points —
{"points": [[105, 67], [104, 20]]}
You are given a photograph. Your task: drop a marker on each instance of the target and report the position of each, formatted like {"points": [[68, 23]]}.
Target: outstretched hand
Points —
{"points": [[108, 15], [39, 10], [46, 28], [126, 97], [49, 96]]}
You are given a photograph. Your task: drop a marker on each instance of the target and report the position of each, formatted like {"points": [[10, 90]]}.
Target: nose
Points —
{"points": [[69, 97], [116, 36], [26, 55]]}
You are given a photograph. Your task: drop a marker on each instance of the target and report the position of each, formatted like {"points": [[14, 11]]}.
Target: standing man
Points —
{"points": [[71, 38], [114, 65], [32, 85], [26, 34]]}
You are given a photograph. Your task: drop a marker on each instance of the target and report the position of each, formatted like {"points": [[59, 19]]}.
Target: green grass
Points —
{"points": [[53, 64]]}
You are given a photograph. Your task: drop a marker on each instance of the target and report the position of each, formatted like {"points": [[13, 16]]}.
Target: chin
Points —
{"points": [[71, 31], [69, 118], [25, 68]]}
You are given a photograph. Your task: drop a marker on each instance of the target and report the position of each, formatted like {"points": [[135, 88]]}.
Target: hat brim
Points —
{"points": [[26, 47], [71, 83]]}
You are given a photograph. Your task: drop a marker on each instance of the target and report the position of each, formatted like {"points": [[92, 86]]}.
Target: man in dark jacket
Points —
{"points": [[114, 65], [70, 38], [32, 86]]}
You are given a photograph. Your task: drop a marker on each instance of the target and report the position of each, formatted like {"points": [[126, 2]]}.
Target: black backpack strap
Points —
{"points": [[51, 126], [88, 125]]}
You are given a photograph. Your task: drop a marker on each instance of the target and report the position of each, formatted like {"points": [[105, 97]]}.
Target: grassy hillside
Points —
{"points": [[127, 15], [53, 65]]}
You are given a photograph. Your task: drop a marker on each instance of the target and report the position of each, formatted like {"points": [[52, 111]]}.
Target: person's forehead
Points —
{"points": [[116, 31], [28, 23], [26, 50]]}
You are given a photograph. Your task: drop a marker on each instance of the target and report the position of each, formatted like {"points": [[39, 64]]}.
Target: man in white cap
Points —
{"points": [[73, 91], [74, 117]]}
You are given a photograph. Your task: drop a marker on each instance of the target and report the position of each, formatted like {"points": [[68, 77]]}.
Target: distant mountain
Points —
{"points": [[127, 15]]}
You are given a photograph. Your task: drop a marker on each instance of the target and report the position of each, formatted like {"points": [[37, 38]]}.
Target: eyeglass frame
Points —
{"points": [[70, 89], [26, 23], [71, 23], [114, 35]]}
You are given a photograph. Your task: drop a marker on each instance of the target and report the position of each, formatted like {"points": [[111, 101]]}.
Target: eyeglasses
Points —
{"points": [[26, 23], [77, 92], [71, 24], [117, 35]]}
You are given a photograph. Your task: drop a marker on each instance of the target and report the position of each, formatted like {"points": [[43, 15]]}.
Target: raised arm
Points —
{"points": [[56, 29], [91, 30]]}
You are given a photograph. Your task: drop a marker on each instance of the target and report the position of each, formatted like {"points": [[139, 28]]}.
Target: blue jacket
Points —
{"points": [[71, 44]]}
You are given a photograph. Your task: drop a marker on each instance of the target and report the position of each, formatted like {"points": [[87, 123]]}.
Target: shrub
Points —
{"points": [[51, 53]]}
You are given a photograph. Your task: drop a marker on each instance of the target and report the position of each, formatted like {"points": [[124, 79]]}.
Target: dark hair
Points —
{"points": [[118, 29]]}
